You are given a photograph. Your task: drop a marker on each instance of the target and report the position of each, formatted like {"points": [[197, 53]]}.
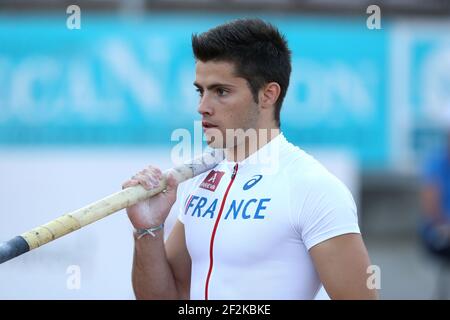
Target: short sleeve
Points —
{"points": [[328, 210]]}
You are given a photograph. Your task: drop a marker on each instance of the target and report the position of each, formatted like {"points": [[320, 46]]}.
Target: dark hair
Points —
{"points": [[257, 49]]}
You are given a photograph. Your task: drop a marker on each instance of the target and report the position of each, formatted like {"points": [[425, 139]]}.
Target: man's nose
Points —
{"points": [[205, 106]]}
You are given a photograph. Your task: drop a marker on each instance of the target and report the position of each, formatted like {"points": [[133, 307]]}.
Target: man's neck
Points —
{"points": [[247, 147]]}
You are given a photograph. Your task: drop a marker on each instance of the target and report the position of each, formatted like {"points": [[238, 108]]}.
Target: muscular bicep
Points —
{"points": [[342, 263], [179, 259]]}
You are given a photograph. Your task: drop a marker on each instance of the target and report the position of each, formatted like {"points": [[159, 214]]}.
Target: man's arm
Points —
{"points": [[341, 263], [159, 270], [162, 271], [430, 196]]}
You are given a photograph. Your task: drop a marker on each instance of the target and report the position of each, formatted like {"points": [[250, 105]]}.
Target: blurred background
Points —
{"points": [[82, 109]]}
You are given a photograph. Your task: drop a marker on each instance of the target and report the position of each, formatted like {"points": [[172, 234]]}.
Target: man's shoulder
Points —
{"points": [[306, 172], [299, 164]]}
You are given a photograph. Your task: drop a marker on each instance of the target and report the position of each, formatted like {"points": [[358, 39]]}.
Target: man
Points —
{"points": [[242, 233], [435, 195]]}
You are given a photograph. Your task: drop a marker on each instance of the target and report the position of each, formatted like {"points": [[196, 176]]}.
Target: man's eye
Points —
{"points": [[221, 92], [200, 92]]}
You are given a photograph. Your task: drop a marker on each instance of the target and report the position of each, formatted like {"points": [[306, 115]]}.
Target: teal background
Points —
{"points": [[120, 81]]}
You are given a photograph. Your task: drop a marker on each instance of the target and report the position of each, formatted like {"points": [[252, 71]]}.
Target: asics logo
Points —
{"points": [[250, 183]]}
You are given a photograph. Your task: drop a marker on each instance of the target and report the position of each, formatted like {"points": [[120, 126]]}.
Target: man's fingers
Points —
{"points": [[145, 181], [129, 183], [152, 171], [150, 177]]}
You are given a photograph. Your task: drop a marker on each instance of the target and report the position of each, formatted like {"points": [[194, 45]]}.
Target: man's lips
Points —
{"points": [[207, 125]]}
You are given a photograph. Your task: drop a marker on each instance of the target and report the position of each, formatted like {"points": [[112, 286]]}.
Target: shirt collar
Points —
{"points": [[271, 149]]}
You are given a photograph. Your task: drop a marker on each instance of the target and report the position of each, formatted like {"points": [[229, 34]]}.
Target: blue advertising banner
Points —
{"points": [[419, 90], [128, 81]]}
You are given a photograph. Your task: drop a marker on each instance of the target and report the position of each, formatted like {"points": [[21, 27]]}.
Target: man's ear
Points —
{"points": [[269, 94]]}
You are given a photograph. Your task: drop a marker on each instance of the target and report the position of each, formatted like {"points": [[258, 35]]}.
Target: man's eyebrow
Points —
{"points": [[214, 85]]}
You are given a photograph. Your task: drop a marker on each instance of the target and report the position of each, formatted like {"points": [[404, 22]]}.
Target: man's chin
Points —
{"points": [[214, 144], [214, 138]]}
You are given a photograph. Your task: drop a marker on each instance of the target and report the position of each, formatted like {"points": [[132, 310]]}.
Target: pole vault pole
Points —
{"points": [[102, 208]]}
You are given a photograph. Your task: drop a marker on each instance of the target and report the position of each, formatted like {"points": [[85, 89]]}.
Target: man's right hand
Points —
{"points": [[153, 211]]}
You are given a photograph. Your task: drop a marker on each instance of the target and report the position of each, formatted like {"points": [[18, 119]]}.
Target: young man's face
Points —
{"points": [[226, 102]]}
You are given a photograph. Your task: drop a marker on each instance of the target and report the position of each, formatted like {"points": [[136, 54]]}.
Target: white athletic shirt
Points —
{"points": [[249, 236]]}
